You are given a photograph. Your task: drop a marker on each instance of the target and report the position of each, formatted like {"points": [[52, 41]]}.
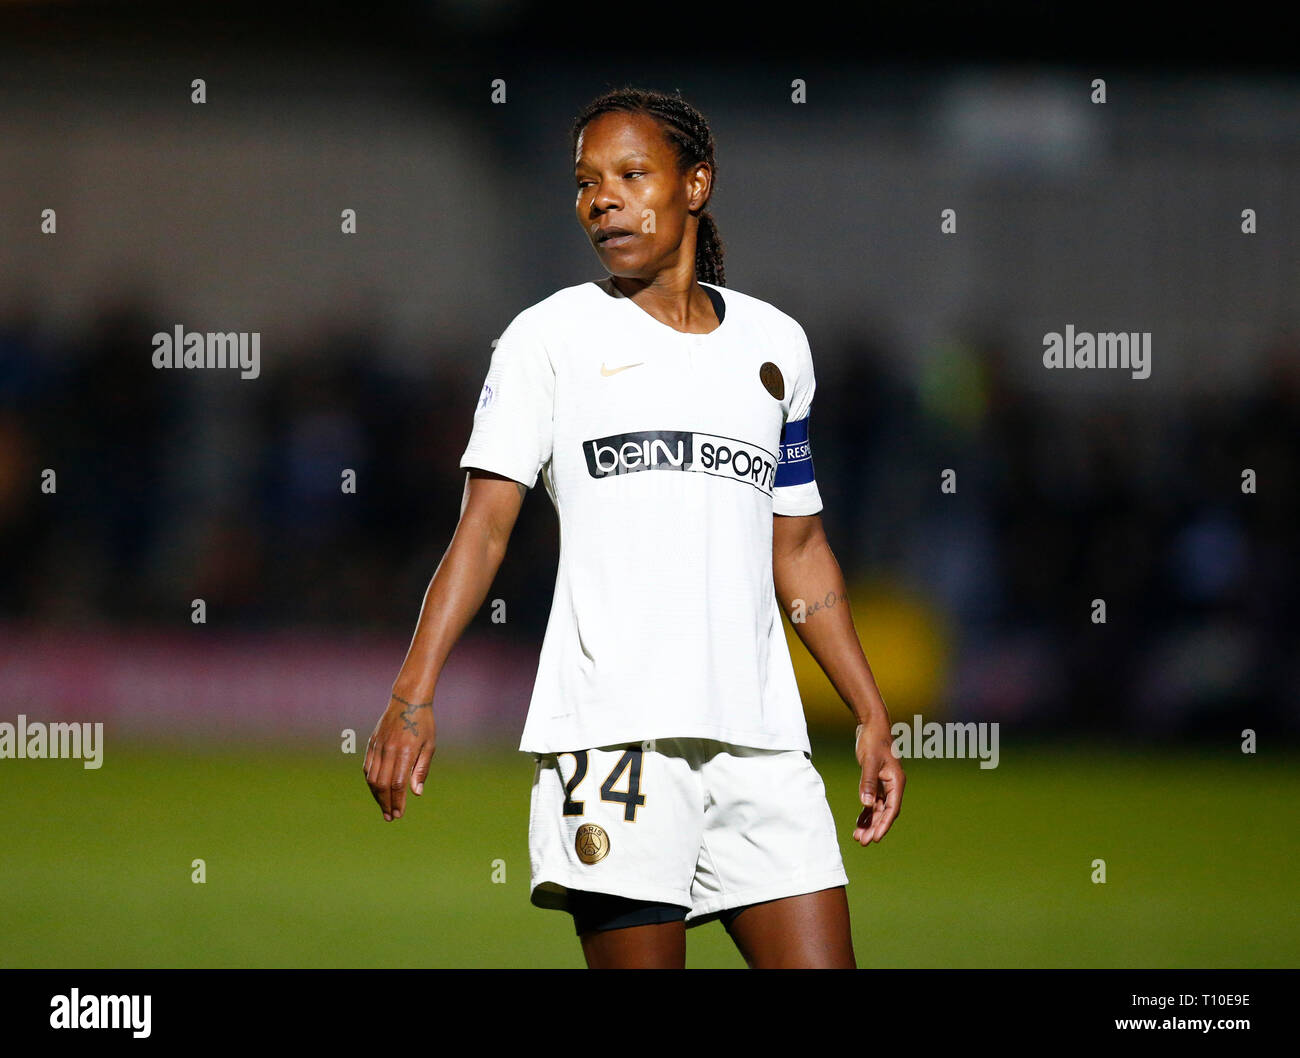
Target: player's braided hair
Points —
{"points": [[689, 134]]}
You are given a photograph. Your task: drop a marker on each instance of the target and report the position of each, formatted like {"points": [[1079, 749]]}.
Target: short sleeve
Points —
{"points": [[794, 489], [512, 433]]}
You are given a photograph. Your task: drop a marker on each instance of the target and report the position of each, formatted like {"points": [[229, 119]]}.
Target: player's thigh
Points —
{"points": [[622, 933], [808, 931], [654, 947]]}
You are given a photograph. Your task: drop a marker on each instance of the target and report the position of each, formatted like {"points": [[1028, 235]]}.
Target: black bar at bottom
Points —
{"points": [[674, 1013]]}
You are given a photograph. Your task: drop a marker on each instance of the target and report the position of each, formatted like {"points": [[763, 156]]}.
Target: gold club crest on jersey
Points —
{"points": [[592, 843], [770, 375]]}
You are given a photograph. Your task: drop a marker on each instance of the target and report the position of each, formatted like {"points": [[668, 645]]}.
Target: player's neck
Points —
{"points": [[690, 310]]}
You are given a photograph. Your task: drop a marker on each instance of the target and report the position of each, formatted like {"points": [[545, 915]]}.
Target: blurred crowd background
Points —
{"points": [[1072, 485]]}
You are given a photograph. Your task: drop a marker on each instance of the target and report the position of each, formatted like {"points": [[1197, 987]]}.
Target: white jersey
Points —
{"points": [[666, 457]]}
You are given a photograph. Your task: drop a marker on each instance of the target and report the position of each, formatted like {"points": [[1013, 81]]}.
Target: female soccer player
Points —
{"points": [[669, 423]]}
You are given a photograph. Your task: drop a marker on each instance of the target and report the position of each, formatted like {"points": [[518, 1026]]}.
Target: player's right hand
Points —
{"points": [[399, 752]]}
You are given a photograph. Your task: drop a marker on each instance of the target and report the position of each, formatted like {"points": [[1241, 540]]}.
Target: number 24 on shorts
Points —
{"points": [[632, 798]]}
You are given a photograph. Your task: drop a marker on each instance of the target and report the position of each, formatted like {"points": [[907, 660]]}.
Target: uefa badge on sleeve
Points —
{"points": [[592, 843]]}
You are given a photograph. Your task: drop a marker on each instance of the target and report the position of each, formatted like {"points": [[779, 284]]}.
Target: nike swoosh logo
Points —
{"points": [[614, 371]]}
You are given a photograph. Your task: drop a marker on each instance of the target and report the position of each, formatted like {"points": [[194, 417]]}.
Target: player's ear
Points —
{"points": [[701, 183]]}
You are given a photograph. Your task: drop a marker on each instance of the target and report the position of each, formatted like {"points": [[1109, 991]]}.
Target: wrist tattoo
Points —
{"points": [[407, 715]]}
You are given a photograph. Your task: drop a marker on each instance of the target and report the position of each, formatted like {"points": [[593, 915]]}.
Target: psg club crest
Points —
{"points": [[592, 844], [770, 375]]}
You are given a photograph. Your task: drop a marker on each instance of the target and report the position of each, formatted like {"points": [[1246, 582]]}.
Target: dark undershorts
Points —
{"points": [[596, 912]]}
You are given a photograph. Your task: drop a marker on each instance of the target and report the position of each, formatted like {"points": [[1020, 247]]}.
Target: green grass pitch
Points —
{"points": [[985, 868]]}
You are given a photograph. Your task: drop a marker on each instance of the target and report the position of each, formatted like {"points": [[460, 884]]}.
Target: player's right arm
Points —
{"points": [[403, 741]]}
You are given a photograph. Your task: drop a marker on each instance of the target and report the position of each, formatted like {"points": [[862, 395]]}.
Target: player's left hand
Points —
{"points": [[881, 788]]}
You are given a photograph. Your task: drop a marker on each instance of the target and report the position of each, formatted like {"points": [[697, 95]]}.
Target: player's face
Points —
{"points": [[626, 174]]}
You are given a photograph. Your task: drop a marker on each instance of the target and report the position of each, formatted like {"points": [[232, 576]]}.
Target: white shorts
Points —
{"points": [[701, 824]]}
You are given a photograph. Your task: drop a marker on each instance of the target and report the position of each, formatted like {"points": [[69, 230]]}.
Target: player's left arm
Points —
{"points": [[810, 585]]}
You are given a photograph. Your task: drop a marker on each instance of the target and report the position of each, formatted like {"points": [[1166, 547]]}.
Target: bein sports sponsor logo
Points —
{"points": [[686, 450]]}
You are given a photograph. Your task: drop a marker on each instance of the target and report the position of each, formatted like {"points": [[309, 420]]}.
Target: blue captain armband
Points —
{"points": [[794, 462]]}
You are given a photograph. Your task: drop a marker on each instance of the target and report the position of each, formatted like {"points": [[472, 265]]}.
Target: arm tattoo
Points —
{"points": [[409, 712], [523, 489], [825, 602]]}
